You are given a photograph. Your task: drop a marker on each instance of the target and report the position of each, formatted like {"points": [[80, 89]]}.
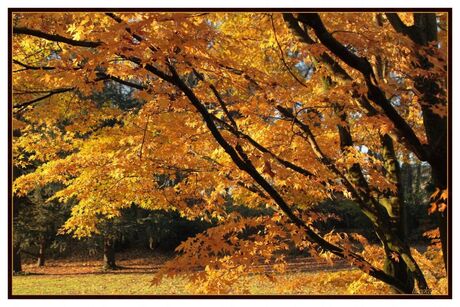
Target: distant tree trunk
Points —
{"points": [[41, 253], [109, 254], [17, 265]]}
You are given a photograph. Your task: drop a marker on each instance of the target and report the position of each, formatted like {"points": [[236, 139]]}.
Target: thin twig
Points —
{"points": [[282, 55]]}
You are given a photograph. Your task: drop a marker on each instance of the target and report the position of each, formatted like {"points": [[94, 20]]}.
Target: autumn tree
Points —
{"points": [[278, 111]]}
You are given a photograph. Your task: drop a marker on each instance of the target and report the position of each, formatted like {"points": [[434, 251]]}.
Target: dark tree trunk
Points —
{"points": [[399, 270], [440, 181], [435, 124], [109, 254], [17, 265], [436, 131], [424, 32], [41, 253]]}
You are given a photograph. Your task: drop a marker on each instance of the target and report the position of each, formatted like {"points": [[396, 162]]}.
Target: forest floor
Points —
{"points": [[303, 276]]}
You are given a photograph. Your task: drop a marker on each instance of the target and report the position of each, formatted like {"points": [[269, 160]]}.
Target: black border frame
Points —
{"points": [[447, 10]]}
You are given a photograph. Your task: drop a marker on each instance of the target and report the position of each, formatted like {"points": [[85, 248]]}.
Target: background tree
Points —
{"points": [[36, 225]]}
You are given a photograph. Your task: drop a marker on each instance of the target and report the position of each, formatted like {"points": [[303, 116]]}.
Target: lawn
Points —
{"points": [[93, 284], [140, 284], [85, 277]]}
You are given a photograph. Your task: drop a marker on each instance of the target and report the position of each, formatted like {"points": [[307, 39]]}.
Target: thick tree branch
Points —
{"points": [[233, 128], [329, 62], [55, 37], [411, 31], [293, 24], [325, 58], [359, 63]]}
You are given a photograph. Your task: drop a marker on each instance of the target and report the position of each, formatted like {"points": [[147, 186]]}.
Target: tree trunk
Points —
{"points": [[41, 253], [392, 211], [435, 124], [17, 265], [399, 270], [393, 265], [435, 127], [109, 254], [440, 181]]}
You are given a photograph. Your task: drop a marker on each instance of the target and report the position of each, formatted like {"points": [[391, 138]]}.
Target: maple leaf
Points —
{"points": [[267, 169]]}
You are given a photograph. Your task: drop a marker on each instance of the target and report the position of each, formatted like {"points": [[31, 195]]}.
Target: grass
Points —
{"points": [[92, 284], [140, 284]]}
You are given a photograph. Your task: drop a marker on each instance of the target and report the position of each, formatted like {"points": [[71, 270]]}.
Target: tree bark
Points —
{"points": [[109, 254], [17, 263], [422, 33], [435, 124], [41, 253]]}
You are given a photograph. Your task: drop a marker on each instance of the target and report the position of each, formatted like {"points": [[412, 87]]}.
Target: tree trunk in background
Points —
{"points": [[17, 265], [41, 253], [109, 254]]}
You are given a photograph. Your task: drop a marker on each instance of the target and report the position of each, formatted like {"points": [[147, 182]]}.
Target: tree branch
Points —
{"points": [[282, 56], [23, 105], [329, 62], [104, 76], [29, 67], [411, 31], [233, 128], [293, 24], [134, 35], [263, 149], [101, 75], [55, 37]]}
